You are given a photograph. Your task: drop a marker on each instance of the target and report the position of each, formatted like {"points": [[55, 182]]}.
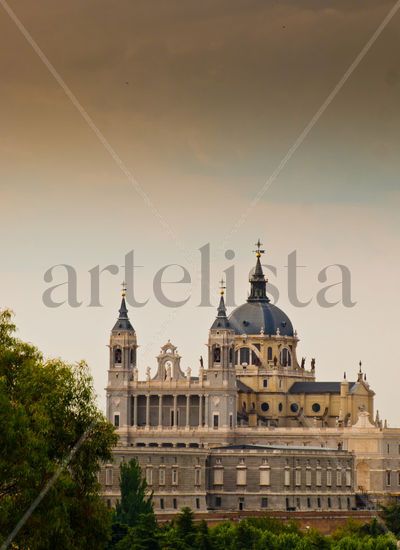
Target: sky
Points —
{"points": [[198, 103]]}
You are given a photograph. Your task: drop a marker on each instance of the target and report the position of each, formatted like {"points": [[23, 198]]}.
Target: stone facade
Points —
{"points": [[253, 407]]}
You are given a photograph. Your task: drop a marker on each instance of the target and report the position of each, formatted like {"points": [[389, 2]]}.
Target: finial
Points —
{"points": [[360, 363], [123, 292], [222, 287], [344, 375], [259, 251]]}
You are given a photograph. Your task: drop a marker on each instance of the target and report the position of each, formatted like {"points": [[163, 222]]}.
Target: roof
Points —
{"points": [[123, 322], [242, 387], [317, 387], [260, 317]]}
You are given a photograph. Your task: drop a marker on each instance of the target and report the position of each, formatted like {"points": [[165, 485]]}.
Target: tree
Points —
{"points": [[391, 517], [136, 499], [52, 440]]}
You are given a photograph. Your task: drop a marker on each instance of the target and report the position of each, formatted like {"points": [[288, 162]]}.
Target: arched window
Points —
{"points": [[285, 358], [244, 355], [217, 354], [118, 356], [255, 359], [269, 354]]}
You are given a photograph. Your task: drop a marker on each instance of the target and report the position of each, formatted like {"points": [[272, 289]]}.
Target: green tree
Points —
{"points": [[52, 440], [136, 499], [391, 517]]}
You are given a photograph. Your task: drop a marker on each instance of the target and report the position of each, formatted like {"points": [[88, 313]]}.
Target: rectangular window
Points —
{"points": [[329, 502], [287, 477], [241, 503], [265, 476], [348, 477], [197, 476], [339, 477], [216, 420], [197, 503], [218, 502], [388, 477], [329, 477], [318, 502], [388, 448], [219, 476], [241, 476], [175, 503], [308, 502], [308, 477], [174, 476], [298, 477], [109, 476], [161, 476], [264, 502], [398, 478], [298, 503], [161, 504], [116, 420], [318, 477], [265, 382], [149, 476], [231, 420]]}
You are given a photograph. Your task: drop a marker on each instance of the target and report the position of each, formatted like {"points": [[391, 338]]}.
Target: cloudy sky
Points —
{"points": [[200, 102]]}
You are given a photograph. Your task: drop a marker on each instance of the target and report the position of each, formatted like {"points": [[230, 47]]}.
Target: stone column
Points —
{"points": [[135, 410], [160, 410], [148, 411], [200, 411], [206, 411], [175, 411], [187, 411]]}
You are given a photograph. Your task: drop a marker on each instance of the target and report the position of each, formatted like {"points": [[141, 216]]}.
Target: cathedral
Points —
{"points": [[254, 429]]}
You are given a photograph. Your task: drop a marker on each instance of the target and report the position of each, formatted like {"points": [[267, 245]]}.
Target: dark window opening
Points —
{"points": [[218, 502], [217, 354], [161, 503], [174, 503], [118, 356], [269, 354], [264, 502]]}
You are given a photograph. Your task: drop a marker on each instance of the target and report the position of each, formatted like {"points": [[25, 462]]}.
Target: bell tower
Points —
{"points": [[221, 370], [122, 363]]}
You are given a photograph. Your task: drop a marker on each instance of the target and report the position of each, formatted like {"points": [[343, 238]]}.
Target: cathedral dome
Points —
{"points": [[257, 317]]}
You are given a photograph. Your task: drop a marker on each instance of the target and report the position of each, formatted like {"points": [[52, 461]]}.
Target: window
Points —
{"points": [[174, 503], [216, 420], [318, 502], [161, 504], [398, 478], [219, 476], [388, 477], [230, 355], [316, 407], [109, 476], [329, 502], [294, 407], [197, 476], [318, 477], [265, 383], [264, 407], [329, 477], [241, 475], [339, 476], [285, 358], [133, 356], [161, 476], [149, 476], [244, 356], [388, 448], [265, 475], [287, 477], [264, 502], [218, 502], [174, 476], [298, 503], [308, 476], [269, 354], [348, 477], [308, 502], [116, 420], [298, 477], [197, 503], [280, 406], [217, 354], [241, 503], [230, 420], [108, 503]]}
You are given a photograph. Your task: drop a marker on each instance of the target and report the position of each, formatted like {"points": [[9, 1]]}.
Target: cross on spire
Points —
{"points": [[222, 287], [123, 292], [259, 251]]}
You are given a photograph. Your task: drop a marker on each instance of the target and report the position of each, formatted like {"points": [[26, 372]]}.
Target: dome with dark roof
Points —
{"points": [[257, 317]]}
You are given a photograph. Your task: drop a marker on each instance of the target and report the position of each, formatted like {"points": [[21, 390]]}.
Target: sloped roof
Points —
{"points": [[317, 387]]}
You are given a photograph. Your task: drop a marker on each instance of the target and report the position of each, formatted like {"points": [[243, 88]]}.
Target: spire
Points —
{"points": [[221, 320], [258, 282], [123, 322]]}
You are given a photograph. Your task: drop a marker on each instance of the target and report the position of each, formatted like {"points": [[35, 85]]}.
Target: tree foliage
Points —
{"points": [[52, 438]]}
